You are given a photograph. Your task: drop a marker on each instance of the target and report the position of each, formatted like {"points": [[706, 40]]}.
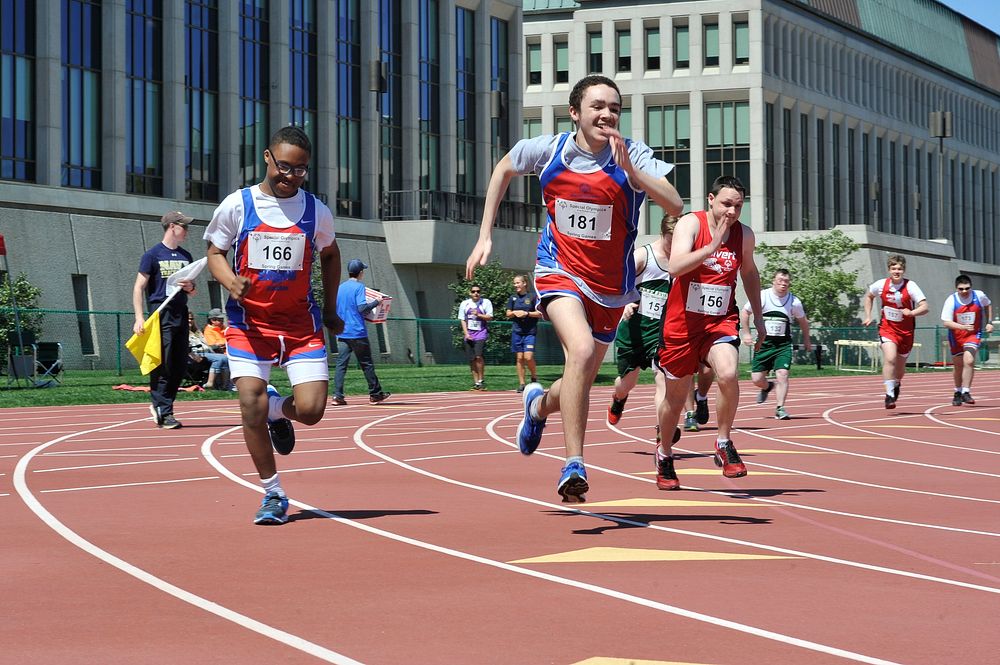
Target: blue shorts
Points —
{"points": [[522, 342]]}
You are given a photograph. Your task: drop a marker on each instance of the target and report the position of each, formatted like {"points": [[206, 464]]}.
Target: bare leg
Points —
{"points": [[968, 368], [781, 376], [724, 359], [529, 357], [669, 410], [625, 384], [520, 367]]}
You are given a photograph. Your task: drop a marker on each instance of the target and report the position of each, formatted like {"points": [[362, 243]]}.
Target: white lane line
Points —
{"points": [[300, 451], [584, 586], [294, 641], [737, 494], [322, 468], [61, 453], [151, 482], [827, 415], [103, 466], [928, 413]]}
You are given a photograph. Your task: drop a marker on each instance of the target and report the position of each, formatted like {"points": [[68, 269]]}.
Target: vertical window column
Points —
{"points": [[143, 98], [499, 88], [391, 100], [429, 113], [17, 90], [668, 133], [302, 77], [202, 91], [81, 85], [465, 84], [348, 98], [254, 89]]}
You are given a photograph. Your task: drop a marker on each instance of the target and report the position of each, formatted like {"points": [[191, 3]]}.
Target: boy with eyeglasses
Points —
{"points": [[475, 313], [966, 313], [276, 230]]}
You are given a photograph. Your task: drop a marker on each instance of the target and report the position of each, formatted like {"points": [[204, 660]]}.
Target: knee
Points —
{"points": [[309, 416]]}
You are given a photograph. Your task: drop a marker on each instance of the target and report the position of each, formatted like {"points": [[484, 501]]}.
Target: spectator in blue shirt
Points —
{"points": [[352, 305]]}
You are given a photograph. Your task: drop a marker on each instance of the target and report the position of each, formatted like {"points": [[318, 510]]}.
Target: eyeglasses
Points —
{"points": [[475, 291], [965, 288], [284, 168]]}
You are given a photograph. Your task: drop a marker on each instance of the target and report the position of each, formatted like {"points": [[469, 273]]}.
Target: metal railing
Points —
{"points": [[461, 208]]}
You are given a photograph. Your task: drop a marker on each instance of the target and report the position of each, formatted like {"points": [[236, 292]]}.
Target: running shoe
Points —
{"points": [[529, 432], [781, 414], [727, 458], [338, 401], [169, 422], [573, 483], [520, 388], [967, 398], [700, 409], [956, 400], [666, 477], [890, 402], [895, 390], [616, 409], [156, 416], [762, 395], [379, 397], [690, 422], [281, 431], [273, 510]]}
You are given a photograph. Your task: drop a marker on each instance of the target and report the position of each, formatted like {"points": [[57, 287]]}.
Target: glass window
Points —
{"points": [[430, 96], [623, 44], [804, 163], [770, 221], [564, 125], [532, 187], [786, 176], [562, 62], [741, 43], [465, 111], [302, 74], [201, 38], [625, 123], [499, 87], [711, 45], [837, 172], [595, 51], [81, 84], [17, 90], [255, 87], [821, 172], [534, 64], [727, 141], [668, 133], [391, 99], [652, 48], [348, 109], [681, 47], [143, 98]]}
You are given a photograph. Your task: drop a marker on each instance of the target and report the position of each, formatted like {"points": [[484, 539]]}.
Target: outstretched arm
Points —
{"points": [[499, 182]]}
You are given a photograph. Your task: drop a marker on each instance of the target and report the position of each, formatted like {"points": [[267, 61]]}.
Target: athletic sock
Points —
{"points": [[698, 396], [274, 404], [574, 458], [273, 485], [719, 442], [534, 406], [890, 385], [964, 389]]}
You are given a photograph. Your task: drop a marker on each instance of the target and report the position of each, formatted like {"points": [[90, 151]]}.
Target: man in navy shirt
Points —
{"points": [[150, 289], [352, 305]]}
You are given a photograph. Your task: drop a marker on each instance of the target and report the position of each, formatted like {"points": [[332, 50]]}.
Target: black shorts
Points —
{"points": [[473, 348]]}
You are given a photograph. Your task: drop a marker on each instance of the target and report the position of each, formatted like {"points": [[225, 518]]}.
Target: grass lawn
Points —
{"points": [[95, 386]]}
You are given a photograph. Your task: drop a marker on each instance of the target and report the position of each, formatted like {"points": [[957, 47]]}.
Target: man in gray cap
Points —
{"points": [[150, 289], [352, 305]]}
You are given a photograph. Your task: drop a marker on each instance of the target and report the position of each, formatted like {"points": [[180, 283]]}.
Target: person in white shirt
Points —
{"points": [[966, 314], [475, 313]]}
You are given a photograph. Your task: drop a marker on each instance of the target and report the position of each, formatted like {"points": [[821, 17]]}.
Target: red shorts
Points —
{"points": [[962, 341], [603, 320], [278, 349], [904, 343], [683, 357]]}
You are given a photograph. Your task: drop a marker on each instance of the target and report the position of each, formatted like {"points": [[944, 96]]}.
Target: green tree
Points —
{"points": [[831, 296], [497, 285], [25, 295]]}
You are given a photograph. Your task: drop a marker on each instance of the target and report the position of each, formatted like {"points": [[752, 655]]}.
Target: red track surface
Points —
{"points": [[862, 534]]}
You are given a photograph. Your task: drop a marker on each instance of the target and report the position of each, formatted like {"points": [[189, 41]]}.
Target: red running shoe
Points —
{"points": [[890, 402], [727, 458], [967, 398], [666, 477], [616, 409]]}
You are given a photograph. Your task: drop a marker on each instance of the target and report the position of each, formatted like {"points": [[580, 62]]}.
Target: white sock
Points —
{"points": [[698, 396], [272, 485], [720, 442], [964, 389], [890, 385], [534, 406], [660, 454], [574, 458], [274, 404]]}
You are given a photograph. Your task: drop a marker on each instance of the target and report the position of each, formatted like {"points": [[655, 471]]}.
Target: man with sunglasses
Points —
{"points": [[965, 314], [276, 231], [475, 313]]}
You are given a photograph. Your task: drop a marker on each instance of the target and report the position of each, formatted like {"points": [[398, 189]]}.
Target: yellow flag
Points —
{"points": [[147, 347]]}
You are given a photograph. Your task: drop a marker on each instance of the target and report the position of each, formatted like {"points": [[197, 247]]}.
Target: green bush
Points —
{"points": [[497, 285], [13, 302]]}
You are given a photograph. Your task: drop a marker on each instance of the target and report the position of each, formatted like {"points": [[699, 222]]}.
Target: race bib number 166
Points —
{"points": [[276, 251]]}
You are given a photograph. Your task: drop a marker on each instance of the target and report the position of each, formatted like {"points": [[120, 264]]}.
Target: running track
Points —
{"points": [[419, 535]]}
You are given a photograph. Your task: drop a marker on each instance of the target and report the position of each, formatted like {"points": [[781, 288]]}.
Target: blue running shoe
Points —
{"points": [[529, 432], [573, 483], [281, 431], [273, 510]]}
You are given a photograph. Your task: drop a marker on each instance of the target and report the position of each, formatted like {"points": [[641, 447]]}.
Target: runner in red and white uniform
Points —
{"points": [[901, 301], [710, 248], [276, 231], [594, 182], [966, 314]]}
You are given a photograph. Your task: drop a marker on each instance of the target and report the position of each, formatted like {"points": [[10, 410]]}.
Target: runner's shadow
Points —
{"points": [[764, 493], [356, 514], [677, 455], [650, 518]]}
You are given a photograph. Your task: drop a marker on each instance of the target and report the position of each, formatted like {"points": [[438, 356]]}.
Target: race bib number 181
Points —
{"points": [[276, 251], [587, 221]]}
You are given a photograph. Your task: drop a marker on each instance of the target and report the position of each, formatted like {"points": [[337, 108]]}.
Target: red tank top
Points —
{"points": [[704, 299], [893, 322]]}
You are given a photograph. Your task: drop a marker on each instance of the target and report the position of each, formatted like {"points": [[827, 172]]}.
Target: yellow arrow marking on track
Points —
{"points": [[629, 554], [977, 418], [643, 502]]}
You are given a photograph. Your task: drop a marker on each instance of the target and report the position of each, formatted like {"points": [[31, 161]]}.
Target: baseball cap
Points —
{"points": [[175, 217], [216, 313], [355, 266]]}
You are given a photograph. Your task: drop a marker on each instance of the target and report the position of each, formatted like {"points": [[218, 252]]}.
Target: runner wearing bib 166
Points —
{"points": [[966, 313], [902, 301], [780, 307], [710, 248]]}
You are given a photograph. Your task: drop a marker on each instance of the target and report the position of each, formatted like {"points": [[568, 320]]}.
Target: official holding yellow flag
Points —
{"points": [[160, 343]]}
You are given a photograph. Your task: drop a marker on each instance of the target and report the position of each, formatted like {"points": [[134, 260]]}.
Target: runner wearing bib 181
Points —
{"points": [[780, 308], [966, 314], [710, 248], [901, 301]]}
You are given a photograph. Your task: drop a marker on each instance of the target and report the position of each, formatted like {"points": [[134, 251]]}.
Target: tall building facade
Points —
{"points": [[821, 107], [113, 112]]}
